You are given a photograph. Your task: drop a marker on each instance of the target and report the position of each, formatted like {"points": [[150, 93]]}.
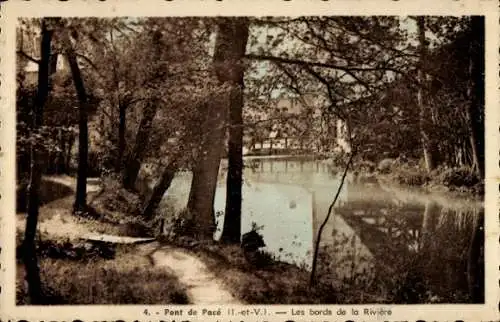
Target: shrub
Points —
{"points": [[385, 166], [115, 198], [176, 224], [458, 177], [412, 177], [77, 251]]}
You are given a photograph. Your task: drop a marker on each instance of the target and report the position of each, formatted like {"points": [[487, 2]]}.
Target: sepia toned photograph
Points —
{"points": [[250, 160]]}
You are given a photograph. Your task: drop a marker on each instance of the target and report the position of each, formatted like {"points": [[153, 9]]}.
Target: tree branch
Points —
{"points": [[348, 69], [88, 61], [28, 57], [330, 208]]}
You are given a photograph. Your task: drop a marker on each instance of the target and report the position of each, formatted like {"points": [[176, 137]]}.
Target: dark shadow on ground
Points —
{"points": [[49, 191]]}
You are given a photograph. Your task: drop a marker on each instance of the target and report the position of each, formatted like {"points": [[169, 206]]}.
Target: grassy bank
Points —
{"points": [[78, 272], [273, 282], [124, 279], [459, 181], [265, 282]]}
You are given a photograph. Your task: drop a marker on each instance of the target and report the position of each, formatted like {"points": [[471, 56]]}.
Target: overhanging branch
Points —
{"points": [[28, 57], [299, 62]]}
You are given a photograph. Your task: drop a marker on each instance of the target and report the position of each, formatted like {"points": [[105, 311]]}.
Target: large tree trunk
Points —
{"points": [[206, 170], [80, 204], [133, 166], [236, 32], [423, 110], [160, 188], [29, 247], [230, 47]]}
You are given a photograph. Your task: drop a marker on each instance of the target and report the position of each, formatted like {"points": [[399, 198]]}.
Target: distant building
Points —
{"points": [[307, 132], [30, 45], [58, 65]]}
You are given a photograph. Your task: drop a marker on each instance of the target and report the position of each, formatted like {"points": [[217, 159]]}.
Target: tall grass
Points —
{"points": [[128, 279]]}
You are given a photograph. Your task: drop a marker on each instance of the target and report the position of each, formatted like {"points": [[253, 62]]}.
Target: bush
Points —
{"points": [[385, 166], [458, 177], [115, 198], [122, 208], [412, 177], [176, 225], [77, 251]]}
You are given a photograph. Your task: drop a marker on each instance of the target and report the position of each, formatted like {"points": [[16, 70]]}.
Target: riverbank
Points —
{"points": [[75, 271], [461, 183], [453, 183]]}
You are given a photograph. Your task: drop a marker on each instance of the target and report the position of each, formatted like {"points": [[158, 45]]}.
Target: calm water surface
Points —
{"points": [[374, 230]]}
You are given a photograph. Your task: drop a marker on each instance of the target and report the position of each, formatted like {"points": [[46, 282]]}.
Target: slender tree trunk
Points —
{"points": [[80, 204], [475, 94], [232, 218], [122, 127], [469, 111], [160, 188], [317, 243], [423, 114], [29, 247], [133, 166], [237, 34]]}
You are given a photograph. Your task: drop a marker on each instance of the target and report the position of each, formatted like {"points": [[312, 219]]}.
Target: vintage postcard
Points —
{"points": [[249, 161]]}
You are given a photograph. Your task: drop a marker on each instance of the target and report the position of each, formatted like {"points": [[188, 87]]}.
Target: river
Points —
{"points": [[375, 230]]}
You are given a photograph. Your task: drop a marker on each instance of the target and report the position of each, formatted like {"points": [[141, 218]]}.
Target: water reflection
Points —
{"points": [[435, 243], [419, 247]]}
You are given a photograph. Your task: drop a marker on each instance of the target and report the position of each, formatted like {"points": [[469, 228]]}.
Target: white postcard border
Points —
{"points": [[10, 10]]}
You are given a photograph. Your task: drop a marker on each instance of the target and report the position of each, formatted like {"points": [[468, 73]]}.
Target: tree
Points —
{"points": [[206, 168], [80, 204], [475, 93], [424, 114], [235, 32], [345, 62], [174, 64], [160, 188], [141, 140], [29, 247], [454, 94], [189, 93], [229, 50]]}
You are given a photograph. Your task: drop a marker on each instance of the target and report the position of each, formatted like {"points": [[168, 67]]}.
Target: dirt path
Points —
{"points": [[202, 286]]}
